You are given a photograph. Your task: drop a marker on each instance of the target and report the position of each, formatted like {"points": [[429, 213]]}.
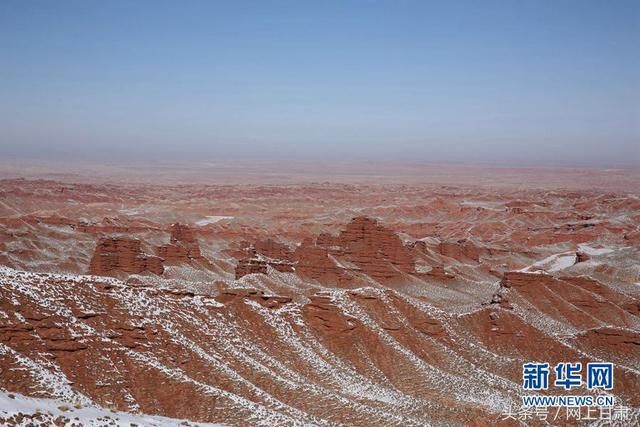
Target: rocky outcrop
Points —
{"points": [[499, 297], [363, 246], [582, 257], [250, 266], [114, 256], [263, 254], [313, 262], [255, 264], [461, 250], [438, 271], [377, 250], [183, 248], [272, 249]]}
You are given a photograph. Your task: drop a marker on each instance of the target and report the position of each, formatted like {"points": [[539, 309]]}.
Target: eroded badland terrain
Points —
{"points": [[339, 299]]}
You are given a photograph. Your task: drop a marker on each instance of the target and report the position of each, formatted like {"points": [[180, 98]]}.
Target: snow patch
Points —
{"points": [[552, 263], [590, 250], [12, 404], [212, 219]]}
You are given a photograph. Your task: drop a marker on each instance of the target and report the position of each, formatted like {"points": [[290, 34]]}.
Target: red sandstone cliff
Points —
{"points": [[183, 247], [363, 246], [114, 256]]}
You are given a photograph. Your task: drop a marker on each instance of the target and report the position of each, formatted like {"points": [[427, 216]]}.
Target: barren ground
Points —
{"points": [[329, 294]]}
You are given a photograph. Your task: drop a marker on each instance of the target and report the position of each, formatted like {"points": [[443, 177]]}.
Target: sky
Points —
{"points": [[506, 82]]}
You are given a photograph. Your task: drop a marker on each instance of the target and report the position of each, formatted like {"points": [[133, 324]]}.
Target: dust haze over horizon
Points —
{"points": [[518, 83]]}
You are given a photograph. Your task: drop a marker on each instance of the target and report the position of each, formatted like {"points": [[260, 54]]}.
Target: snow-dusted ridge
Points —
{"points": [[19, 410], [263, 358]]}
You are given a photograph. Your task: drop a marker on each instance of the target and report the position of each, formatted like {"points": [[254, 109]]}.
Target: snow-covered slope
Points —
{"points": [[19, 410], [366, 356]]}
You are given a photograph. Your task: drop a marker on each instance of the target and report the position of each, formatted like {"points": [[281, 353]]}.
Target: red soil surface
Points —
{"points": [[403, 298]]}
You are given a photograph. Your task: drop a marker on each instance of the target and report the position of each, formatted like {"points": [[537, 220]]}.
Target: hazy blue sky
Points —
{"points": [[533, 82]]}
